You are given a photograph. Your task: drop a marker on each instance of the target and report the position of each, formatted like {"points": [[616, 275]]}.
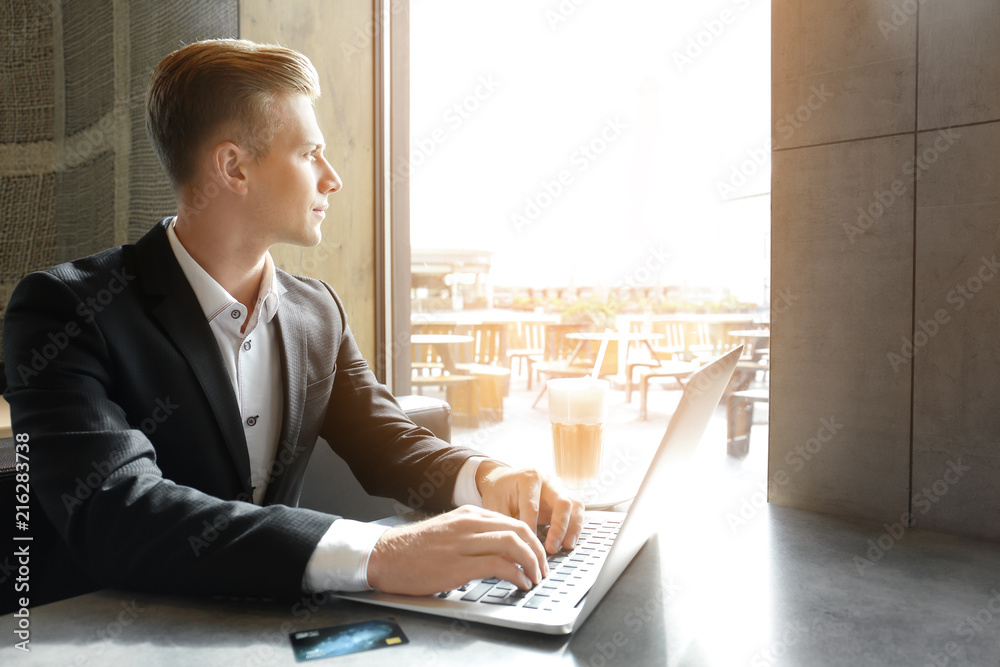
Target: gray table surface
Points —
{"points": [[775, 586]]}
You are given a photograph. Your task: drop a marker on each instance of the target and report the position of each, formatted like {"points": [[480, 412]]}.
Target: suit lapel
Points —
{"points": [[176, 308], [294, 373]]}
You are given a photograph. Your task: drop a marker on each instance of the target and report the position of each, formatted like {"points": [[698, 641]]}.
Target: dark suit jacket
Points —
{"points": [[137, 451]]}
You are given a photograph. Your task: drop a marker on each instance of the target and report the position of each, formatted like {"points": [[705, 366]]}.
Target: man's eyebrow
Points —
{"points": [[316, 145]]}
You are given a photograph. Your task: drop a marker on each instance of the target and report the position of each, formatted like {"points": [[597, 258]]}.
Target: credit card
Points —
{"points": [[346, 639]]}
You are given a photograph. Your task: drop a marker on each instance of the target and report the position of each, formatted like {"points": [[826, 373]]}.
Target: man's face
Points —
{"points": [[288, 189]]}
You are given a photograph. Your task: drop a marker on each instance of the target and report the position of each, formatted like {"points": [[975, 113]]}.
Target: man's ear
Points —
{"points": [[229, 166]]}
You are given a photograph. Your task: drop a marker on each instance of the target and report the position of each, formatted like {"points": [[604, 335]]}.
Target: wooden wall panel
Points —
{"points": [[333, 36]]}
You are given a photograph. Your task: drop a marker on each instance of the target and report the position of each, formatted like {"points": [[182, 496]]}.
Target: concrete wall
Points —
{"points": [[333, 36], [885, 228]]}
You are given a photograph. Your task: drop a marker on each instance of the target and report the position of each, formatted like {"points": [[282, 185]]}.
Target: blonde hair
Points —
{"points": [[220, 87]]}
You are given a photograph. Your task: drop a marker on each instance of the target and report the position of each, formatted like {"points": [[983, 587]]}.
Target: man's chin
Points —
{"points": [[304, 240]]}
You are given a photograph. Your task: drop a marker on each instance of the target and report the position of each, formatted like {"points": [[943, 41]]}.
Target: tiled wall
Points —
{"points": [[886, 291]]}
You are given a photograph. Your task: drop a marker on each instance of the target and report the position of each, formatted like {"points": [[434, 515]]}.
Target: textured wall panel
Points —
{"points": [[89, 62], [26, 72], [959, 62], [838, 73], [841, 300], [956, 439]]}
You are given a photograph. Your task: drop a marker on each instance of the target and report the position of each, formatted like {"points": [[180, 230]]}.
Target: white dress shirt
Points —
{"points": [[252, 359]]}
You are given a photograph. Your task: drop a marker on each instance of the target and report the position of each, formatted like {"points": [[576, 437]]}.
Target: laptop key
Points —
{"points": [[477, 592], [535, 602], [509, 602]]}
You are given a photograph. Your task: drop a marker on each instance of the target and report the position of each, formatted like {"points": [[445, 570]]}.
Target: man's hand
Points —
{"points": [[526, 495], [451, 549]]}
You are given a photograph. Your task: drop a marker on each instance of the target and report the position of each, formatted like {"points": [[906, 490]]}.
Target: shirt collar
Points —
{"points": [[212, 296]]}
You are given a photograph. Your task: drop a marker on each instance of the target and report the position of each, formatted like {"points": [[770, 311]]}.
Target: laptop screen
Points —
{"points": [[702, 394]]}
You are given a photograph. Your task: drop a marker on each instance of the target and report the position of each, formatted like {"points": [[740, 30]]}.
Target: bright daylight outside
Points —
{"points": [[588, 175]]}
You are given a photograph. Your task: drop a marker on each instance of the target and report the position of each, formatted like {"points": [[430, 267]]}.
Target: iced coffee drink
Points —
{"points": [[577, 411]]}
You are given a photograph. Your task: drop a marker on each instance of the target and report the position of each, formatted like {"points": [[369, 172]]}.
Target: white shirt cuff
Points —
{"points": [[340, 561], [466, 491]]}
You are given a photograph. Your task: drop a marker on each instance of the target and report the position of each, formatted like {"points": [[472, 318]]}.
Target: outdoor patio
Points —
{"points": [[523, 438]]}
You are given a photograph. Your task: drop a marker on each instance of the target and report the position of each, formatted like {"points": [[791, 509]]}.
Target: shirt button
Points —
{"points": [[246, 346], [252, 421], [235, 314]]}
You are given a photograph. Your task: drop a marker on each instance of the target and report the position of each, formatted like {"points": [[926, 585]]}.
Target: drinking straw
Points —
{"points": [[600, 354]]}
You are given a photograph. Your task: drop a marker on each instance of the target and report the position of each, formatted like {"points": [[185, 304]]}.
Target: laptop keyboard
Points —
{"points": [[571, 573]]}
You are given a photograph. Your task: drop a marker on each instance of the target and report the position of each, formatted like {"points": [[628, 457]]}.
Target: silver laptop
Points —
{"points": [[579, 579]]}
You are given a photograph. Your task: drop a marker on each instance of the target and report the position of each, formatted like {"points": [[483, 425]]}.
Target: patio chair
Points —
{"points": [[667, 348], [424, 357], [559, 349], [428, 370], [489, 347], [739, 419], [530, 343], [556, 348], [461, 391]]}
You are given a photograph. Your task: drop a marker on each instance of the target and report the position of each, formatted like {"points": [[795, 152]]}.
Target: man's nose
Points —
{"points": [[330, 182]]}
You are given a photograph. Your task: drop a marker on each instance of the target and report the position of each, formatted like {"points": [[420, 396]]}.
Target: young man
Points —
{"points": [[171, 423]]}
